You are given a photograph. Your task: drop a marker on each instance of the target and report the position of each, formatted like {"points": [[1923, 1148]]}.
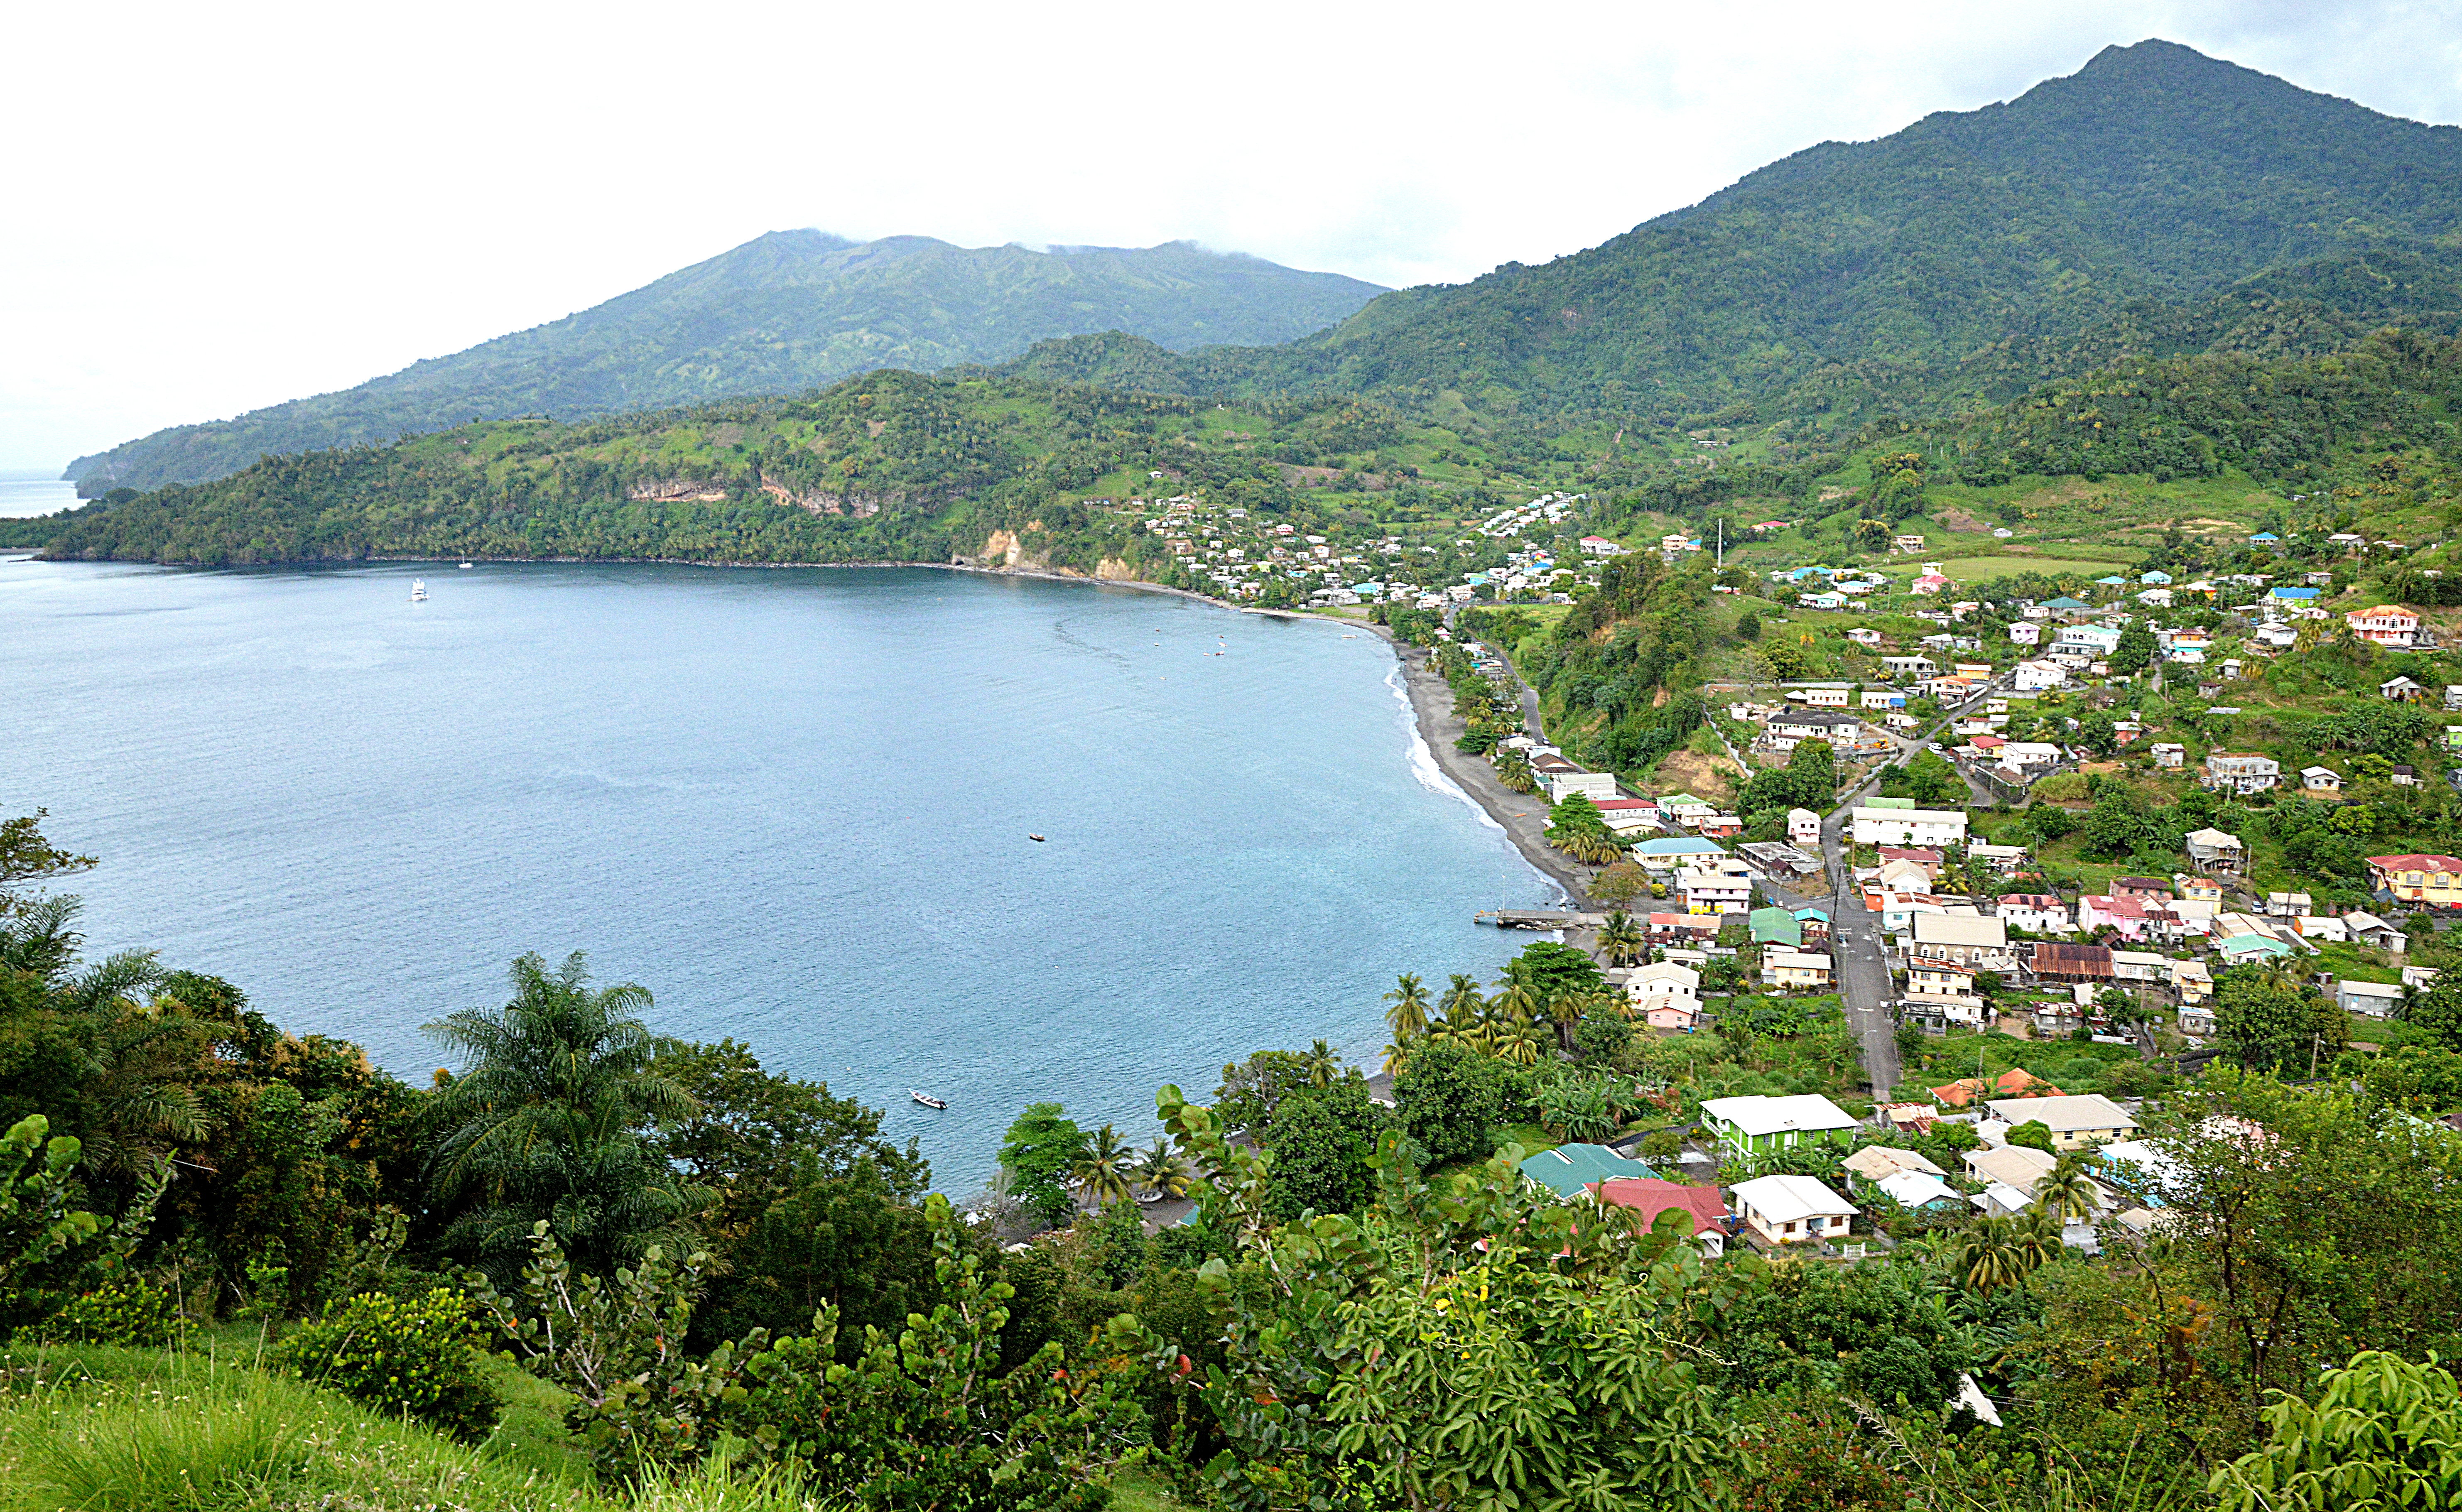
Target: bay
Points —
{"points": [[794, 805]]}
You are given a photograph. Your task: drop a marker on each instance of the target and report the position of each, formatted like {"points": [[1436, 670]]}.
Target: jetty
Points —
{"points": [[1539, 918]]}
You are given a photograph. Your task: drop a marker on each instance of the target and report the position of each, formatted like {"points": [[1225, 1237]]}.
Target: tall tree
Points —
{"points": [[553, 1117]]}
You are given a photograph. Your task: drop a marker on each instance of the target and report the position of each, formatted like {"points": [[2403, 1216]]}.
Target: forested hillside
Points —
{"points": [[2155, 202], [786, 312]]}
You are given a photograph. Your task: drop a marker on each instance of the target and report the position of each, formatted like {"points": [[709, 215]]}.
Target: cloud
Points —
{"points": [[222, 208]]}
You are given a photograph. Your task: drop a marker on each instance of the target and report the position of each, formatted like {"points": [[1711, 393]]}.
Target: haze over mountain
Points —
{"points": [[2158, 201], [784, 312]]}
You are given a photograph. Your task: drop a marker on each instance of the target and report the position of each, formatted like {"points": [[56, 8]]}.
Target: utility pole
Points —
{"points": [[1722, 543]]}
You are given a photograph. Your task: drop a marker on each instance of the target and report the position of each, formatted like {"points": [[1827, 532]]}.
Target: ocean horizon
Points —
{"points": [[795, 804]]}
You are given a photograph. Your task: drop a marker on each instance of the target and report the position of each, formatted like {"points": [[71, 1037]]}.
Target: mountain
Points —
{"points": [[788, 311], [2156, 202]]}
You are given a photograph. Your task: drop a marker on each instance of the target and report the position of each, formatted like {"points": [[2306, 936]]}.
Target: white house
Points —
{"points": [[1803, 827], [1588, 784], [2321, 779], [1713, 891], [2377, 1000], [1664, 985], [2026, 633], [2035, 913], [1793, 1209], [1908, 826], [2034, 677], [1974, 940]]}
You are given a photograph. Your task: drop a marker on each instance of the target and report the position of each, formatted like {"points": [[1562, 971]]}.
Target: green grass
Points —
{"points": [[1137, 1492], [124, 1430]]}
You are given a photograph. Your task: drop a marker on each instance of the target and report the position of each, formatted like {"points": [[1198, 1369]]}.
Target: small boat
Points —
{"points": [[1035, 837], [465, 567], [927, 1099], [418, 591]]}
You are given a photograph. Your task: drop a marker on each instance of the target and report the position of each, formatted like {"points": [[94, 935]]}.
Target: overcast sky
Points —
{"points": [[212, 209]]}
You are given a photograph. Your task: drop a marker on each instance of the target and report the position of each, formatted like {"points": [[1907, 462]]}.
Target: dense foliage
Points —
{"points": [[786, 312]]}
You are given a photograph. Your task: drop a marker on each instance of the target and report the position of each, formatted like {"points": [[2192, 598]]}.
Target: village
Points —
{"points": [[1980, 945]]}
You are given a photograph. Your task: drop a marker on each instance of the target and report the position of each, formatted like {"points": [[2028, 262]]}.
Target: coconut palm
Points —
{"points": [[1621, 939], [2068, 1193], [1160, 1170], [1101, 1175], [1520, 1003], [1322, 1065], [1463, 1002], [1409, 1014], [1397, 1054], [1996, 1251], [549, 1121]]}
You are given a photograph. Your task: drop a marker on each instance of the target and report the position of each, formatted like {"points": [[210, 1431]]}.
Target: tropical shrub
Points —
{"points": [[130, 1312], [413, 1355]]}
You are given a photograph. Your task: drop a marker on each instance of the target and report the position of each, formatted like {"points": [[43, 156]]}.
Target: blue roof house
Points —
{"points": [[1569, 1169]]}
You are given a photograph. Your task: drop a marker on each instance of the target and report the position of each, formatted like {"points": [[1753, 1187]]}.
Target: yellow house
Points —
{"points": [[2435, 880], [2075, 1121]]}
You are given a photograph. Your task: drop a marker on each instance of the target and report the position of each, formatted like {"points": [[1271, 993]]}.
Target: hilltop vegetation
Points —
{"points": [[783, 313], [2156, 203]]}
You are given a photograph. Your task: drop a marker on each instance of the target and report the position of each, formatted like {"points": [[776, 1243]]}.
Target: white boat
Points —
{"points": [[465, 567], [925, 1098], [419, 590]]}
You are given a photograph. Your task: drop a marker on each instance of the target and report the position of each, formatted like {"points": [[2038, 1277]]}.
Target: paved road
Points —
{"points": [[1856, 950]]}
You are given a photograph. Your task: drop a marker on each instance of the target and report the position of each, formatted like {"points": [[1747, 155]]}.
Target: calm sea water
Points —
{"points": [[794, 805], [24, 493]]}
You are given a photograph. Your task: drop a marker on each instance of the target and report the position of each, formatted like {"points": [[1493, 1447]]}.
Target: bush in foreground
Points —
{"points": [[399, 1355]]}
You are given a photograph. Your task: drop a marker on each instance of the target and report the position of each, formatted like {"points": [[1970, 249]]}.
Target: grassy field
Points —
{"points": [[198, 1428]]}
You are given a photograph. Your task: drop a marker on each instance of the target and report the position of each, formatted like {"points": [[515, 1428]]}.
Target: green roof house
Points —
{"points": [[1571, 1169], [1776, 926]]}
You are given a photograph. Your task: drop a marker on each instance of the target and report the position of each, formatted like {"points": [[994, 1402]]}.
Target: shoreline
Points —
{"points": [[1521, 816]]}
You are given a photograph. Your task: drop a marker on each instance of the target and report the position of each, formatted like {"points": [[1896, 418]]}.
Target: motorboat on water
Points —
{"points": [[419, 590], [465, 567], [927, 1099]]}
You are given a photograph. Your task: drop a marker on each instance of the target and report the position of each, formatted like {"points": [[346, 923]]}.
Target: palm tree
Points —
{"points": [[2065, 1190], [1397, 1054], [1622, 939], [1462, 1002], [1408, 1015], [1322, 1064], [1989, 1254], [1520, 1003], [1101, 1175], [1160, 1170], [549, 1120]]}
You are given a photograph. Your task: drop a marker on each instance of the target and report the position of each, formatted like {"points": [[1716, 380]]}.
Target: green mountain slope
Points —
{"points": [[788, 311], [2156, 202]]}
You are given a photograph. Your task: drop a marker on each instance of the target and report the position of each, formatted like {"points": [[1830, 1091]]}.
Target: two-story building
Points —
{"points": [[2434, 880], [2241, 771], [1975, 942], [1897, 821], [2387, 625], [2035, 913]]}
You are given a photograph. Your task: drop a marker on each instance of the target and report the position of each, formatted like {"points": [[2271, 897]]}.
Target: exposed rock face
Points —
{"points": [[675, 490], [818, 502], [1112, 570]]}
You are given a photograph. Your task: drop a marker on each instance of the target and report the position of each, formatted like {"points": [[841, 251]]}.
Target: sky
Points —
{"points": [[213, 208]]}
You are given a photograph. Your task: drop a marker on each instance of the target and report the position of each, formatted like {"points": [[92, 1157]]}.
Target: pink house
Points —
{"points": [[1680, 1018], [1931, 583], [2386, 624], [2125, 914]]}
